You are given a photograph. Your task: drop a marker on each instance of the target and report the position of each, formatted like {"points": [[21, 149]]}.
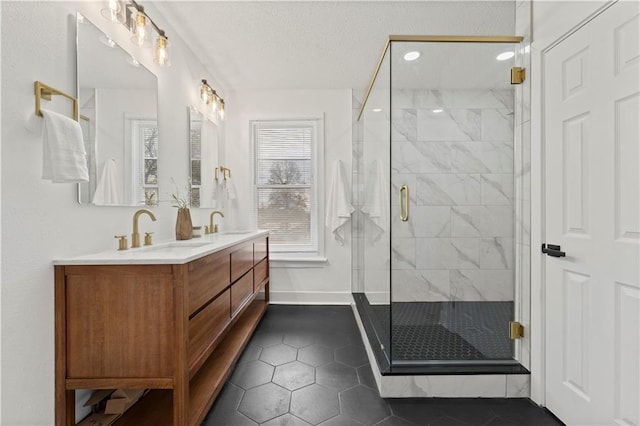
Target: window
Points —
{"points": [[145, 161], [287, 183]]}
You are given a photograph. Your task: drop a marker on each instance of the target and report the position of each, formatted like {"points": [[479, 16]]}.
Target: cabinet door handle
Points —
{"points": [[404, 202]]}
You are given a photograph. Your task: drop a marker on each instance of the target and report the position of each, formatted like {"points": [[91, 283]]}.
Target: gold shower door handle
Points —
{"points": [[404, 202]]}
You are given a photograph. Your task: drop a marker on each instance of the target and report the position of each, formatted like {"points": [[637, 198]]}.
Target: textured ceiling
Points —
{"points": [[317, 44]]}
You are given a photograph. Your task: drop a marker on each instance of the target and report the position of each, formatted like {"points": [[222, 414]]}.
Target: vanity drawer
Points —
{"points": [[260, 249], [241, 260], [207, 277], [207, 325], [240, 291], [261, 272]]}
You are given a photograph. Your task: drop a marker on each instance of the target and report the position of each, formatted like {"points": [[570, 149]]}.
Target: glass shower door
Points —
{"points": [[375, 215], [452, 203]]}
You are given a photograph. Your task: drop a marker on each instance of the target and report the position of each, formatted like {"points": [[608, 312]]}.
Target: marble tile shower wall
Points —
{"points": [[454, 149]]}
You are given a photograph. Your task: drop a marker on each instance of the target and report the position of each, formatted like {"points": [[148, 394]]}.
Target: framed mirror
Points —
{"points": [[203, 160], [118, 100]]}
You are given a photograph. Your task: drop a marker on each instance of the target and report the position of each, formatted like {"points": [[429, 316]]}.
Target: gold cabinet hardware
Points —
{"points": [[122, 242], [518, 75], [404, 202], [516, 330], [148, 239]]}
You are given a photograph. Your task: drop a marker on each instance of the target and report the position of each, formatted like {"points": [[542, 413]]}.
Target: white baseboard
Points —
{"points": [[310, 298]]}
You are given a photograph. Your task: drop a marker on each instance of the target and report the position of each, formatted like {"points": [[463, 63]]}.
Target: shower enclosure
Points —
{"points": [[434, 187]]}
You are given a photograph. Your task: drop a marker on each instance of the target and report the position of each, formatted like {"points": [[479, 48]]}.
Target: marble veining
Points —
{"points": [[448, 189], [403, 125], [449, 125]]}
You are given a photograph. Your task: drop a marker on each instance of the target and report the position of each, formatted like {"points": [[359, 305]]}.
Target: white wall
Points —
{"points": [[41, 220], [331, 281], [551, 20]]}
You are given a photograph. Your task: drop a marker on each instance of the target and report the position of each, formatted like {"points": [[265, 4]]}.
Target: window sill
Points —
{"points": [[277, 260]]}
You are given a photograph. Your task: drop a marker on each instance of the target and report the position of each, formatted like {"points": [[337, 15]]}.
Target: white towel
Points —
{"points": [[63, 154], [107, 186], [339, 206], [231, 189], [376, 199]]}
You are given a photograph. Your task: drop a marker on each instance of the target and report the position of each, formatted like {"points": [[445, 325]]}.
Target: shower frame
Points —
{"points": [[385, 361]]}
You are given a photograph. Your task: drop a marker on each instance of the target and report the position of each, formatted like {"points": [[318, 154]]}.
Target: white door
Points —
{"points": [[592, 196]]}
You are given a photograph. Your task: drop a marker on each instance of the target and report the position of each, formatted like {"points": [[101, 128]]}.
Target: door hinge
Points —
{"points": [[518, 75], [516, 330]]}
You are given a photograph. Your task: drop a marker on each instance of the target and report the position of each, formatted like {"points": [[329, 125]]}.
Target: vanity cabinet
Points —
{"points": [[176, 329]]}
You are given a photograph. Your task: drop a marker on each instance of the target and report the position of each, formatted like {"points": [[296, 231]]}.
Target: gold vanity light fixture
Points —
{"points": [[133, 16], [211, 97]]}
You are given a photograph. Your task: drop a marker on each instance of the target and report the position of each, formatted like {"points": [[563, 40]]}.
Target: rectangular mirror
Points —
{"points": [[203, 157], [118, 100]]}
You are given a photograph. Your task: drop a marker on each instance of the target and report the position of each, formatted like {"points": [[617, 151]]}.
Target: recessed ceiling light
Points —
{"points": [[377, 110], [412, 56], [505, 55], [437, 111]]}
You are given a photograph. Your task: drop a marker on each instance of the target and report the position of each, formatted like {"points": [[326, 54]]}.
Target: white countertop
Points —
{"points": [[167, 252]]}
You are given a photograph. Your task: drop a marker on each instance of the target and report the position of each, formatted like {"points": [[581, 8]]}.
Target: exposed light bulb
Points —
{"points": [[221, 109], [140, 35], [214, 106], [204, 92], [161, 51], [437, 111]]}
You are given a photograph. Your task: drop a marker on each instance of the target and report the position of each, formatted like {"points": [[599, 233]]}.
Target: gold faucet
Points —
{"points": [[212, 229], [135, 237]]}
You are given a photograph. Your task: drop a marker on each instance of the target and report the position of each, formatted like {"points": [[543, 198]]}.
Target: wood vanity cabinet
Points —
{"points": [[176, 329]]}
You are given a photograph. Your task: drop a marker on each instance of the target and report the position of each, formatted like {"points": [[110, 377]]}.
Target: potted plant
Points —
{"points": [[184, 226]]}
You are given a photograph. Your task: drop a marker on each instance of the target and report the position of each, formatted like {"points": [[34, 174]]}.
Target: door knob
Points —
{"points": [[553, 250]]}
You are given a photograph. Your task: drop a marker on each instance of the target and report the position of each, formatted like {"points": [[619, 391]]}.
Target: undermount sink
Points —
{"points": [[236, 232]]}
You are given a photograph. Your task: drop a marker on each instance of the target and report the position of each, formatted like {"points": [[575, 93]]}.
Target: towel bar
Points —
{"points": [[226, 172], [42, 91]]}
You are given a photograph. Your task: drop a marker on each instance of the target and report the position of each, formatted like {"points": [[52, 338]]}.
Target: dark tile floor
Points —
{"points": [[306, 365]]}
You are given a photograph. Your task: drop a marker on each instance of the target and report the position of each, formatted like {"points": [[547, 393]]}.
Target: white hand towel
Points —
{"points": [[107, 187], [231, 189], [376, 202], [339, 206], [63, 154]]}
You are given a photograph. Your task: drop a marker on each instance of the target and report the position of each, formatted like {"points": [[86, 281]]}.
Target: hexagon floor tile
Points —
{"points": [[294, 375], [336, 376], [364, 405], [265, 402], [330, 382], [278, 354], [316, 355], [354, 356], [252, 374], [315, 404]]}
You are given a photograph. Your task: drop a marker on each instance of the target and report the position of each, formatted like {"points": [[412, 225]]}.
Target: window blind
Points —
{"points": [[284, 179]]}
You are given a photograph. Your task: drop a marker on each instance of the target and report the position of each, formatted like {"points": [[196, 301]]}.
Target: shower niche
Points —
{"points": [[434, 186]]}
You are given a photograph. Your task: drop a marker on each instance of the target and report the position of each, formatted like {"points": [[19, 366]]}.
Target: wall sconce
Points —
{"points": [[209, 96], [135, 19]]}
